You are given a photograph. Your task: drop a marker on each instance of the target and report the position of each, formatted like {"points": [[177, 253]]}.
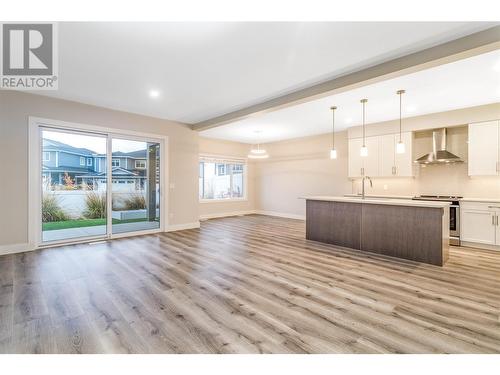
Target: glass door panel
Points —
{"points": [[135, 185], [73, 175]]}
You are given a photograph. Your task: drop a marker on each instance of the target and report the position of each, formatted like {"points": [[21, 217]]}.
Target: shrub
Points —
{"points": [[51, 210], [95, 205], [135, 202]]}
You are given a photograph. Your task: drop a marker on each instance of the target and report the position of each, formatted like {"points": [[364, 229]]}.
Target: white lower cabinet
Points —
{"points": [[480, 223]]}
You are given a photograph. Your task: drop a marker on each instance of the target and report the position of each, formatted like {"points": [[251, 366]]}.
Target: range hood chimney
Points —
{"points": [[439, 154]]}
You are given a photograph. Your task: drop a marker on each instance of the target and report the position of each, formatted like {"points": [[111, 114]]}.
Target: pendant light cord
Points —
{"points": [[400, 93], [363, 101], [400, 97], [333, 126]]}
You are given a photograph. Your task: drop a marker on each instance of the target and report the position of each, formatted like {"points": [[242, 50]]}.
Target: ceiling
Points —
{"points": [[202, 70], [464, 83]]}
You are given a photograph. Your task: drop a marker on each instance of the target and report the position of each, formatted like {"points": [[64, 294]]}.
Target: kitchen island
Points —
{"points": [[402, 228]]}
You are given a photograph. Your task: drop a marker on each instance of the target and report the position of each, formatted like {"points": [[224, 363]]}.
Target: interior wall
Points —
{"points": [[302, 167], [15, 109], [228, 149]]}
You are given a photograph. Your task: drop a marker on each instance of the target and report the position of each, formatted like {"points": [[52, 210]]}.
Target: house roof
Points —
{"points": [[115, 172], [59, 146], [65, 169], [49, 144], [139, 154]]}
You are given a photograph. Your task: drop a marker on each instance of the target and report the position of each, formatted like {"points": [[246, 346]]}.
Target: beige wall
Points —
{"points": [[228, 149], [302, 166], [15, 108]]}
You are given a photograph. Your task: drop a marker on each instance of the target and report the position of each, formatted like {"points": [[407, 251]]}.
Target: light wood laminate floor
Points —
{"points": [[248, 284]]}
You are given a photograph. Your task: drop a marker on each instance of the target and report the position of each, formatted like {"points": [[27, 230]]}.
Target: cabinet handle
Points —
{"points": [[493, 220], [362, 171], [493, 206]]}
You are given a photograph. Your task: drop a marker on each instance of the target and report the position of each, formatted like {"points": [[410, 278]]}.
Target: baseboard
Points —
{"points": [[175, 227], [226, 214], [15, 248], [281, 214], [477, 245]]}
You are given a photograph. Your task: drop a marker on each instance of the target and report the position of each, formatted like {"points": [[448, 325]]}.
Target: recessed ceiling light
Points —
{"points": [[154, 93]]}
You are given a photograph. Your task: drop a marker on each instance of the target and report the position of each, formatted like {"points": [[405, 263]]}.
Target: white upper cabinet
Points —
{"points": [[382, 159], [387, 155], [404, 162], [371, 162], [484, 149], [355, 160]]}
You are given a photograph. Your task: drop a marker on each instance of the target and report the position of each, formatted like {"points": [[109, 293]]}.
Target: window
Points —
{"points": [[221, 179], [140, 164], [221, 169], [82, 160], [46, 156], [115, 162], [89, 162]]}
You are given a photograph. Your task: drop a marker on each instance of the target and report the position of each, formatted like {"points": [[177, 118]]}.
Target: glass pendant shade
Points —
{"points": [[333, 154], [258, 153], [400, 148], [364, 151]]}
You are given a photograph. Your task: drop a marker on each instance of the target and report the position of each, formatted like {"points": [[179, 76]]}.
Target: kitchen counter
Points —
{"points": [[401, 228], [382, 201], [380, 196]]}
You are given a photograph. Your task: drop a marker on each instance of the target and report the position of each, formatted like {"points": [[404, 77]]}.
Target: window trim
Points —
{"points": [[142, 161], [89, 162], [82, 160], [43, 155], [227, 160], [112, 160]]}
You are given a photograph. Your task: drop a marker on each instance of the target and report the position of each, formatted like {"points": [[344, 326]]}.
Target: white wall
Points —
{"points": [[302, 167], [16, 107]]}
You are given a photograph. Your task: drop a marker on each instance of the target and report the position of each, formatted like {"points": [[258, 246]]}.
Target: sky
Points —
{"points": [[94, 143]]}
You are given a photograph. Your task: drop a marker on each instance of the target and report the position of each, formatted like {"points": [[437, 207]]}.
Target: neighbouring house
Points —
{"points": [[84, 166]]}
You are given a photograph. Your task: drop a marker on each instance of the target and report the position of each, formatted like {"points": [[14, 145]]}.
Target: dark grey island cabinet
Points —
{"points": [[407, 229]]}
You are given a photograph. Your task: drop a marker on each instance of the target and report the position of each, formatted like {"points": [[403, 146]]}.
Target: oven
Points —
{"points": [[454, 214]]}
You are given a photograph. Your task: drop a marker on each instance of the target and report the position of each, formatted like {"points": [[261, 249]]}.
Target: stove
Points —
{"points": [[454, 213]]}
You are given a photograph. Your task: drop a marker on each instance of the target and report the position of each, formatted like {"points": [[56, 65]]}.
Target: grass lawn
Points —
{"points": [[83, 223]]}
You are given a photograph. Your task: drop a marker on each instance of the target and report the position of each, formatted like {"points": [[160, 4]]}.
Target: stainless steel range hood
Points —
{"points": [[439, 154]]}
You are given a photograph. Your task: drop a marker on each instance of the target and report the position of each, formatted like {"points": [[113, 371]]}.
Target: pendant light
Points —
{"points": [[333, 151], [257, 153], [400, 146], [364, 150]]}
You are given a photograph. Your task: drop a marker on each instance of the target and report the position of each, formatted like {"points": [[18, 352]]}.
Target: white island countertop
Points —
{"points": [[389, 202]]}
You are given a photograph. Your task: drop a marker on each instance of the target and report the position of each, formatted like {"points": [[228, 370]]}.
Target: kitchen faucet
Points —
{"points": [[363, 185]]}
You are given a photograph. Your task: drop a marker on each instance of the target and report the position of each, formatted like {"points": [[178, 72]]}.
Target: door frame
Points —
{"points": [[35, 125]]}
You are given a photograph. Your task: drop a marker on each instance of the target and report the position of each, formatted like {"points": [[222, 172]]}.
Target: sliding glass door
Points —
{"points": [[98, 185], [135, 187], [73, 197]]}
